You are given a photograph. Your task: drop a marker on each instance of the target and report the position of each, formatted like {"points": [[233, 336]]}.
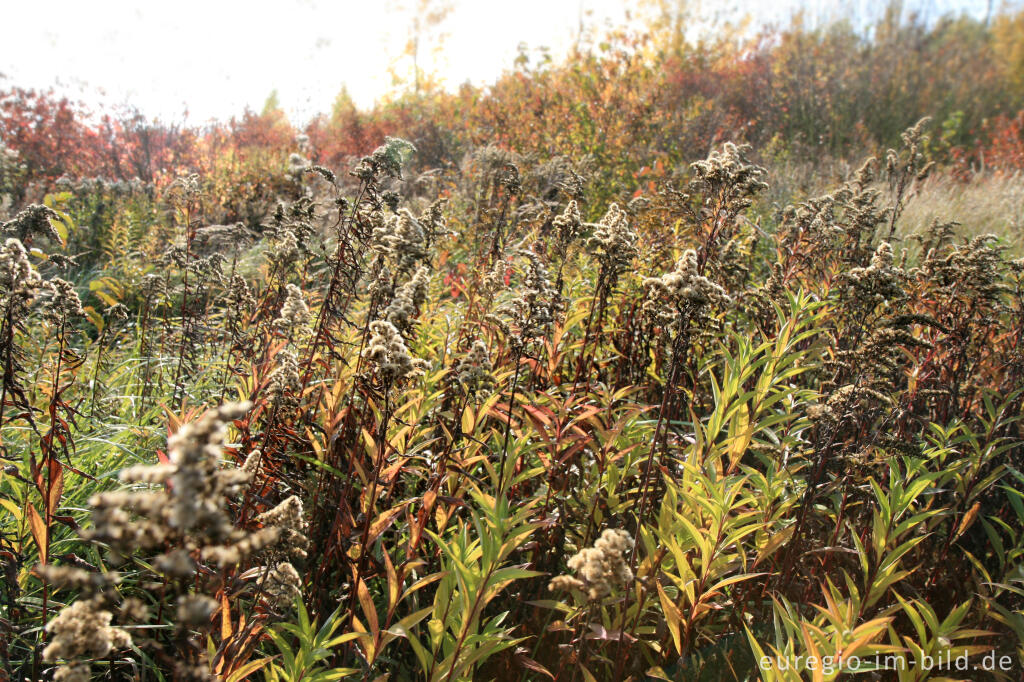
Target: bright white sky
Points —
{"points": [[212, 58]]}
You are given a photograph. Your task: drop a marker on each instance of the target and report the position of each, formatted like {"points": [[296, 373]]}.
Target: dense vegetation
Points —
{"points": [[570, 385]]}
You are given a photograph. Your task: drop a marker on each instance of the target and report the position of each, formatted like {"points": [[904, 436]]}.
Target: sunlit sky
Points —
{"points": [[212, 59]]}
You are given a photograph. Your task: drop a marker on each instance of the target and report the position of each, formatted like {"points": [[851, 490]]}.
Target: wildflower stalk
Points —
{"points": [[663, 409], [8, 347], [518, 355], [320, 324], [165, 335], [183, 341], [382, 450], [97, 363]]}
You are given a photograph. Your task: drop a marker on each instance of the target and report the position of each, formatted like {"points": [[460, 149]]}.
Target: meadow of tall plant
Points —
{"points": [[592, 376]]}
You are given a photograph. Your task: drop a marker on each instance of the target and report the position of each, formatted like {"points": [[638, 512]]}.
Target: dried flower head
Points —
{"points": [[294, 311], [238, 297], [473, 371], [601, 568], [83, 631], [195, 610], [73, 672], [386, 160], [191, 511], [568, 227], [389, 354], [877, 283], [33, 222], [285, 382], [613, 243], [682, 294], [400, 237], [19, 281], [729, 177], [283, 586], [62, 262], [533, 310], [60, 301], [408, 298], [152, 286], [289, 521]]}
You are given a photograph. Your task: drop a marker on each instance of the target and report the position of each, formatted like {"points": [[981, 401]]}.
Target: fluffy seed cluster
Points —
{"points": [[191, 501], [408, 298], [729, 170], [289, 520], [389, 354], [195, 609], [533, 310], [73, 672], [118, 311], [283, 586], [682, 294], [152, 286], [238, 297], [601, 568], [190, 514], [842, 222], [297, 163], [970, 272], [433, 218], [880, 281], [188, 521], [386, 160], [614, 242], [285, 251], [285, 382], [401, 237], [208, 269], [568, 227], [19, 281], [60, 301], [288, 514], [83, 631], [473, 371], [497, 277], [911, 156], [294, 311], [31, 223]]}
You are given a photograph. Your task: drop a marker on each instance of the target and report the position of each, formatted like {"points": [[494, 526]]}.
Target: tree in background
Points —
{"points": [[424, 41]]}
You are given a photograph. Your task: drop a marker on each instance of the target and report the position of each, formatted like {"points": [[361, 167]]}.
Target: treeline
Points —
{"points": [[644, 98]]}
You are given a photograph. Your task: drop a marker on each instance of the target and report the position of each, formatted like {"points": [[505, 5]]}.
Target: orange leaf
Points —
{"points": [[382, 522], [56, 486], [39, 531], [968, 519], [225, 617]]}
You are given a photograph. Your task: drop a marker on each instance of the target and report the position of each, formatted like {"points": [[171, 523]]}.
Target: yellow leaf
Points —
{"points": [[741, 441], [94, 317], [247, 669], [105, 297], [468, 420], [774, 543], [12, 508], [672, 618]]}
